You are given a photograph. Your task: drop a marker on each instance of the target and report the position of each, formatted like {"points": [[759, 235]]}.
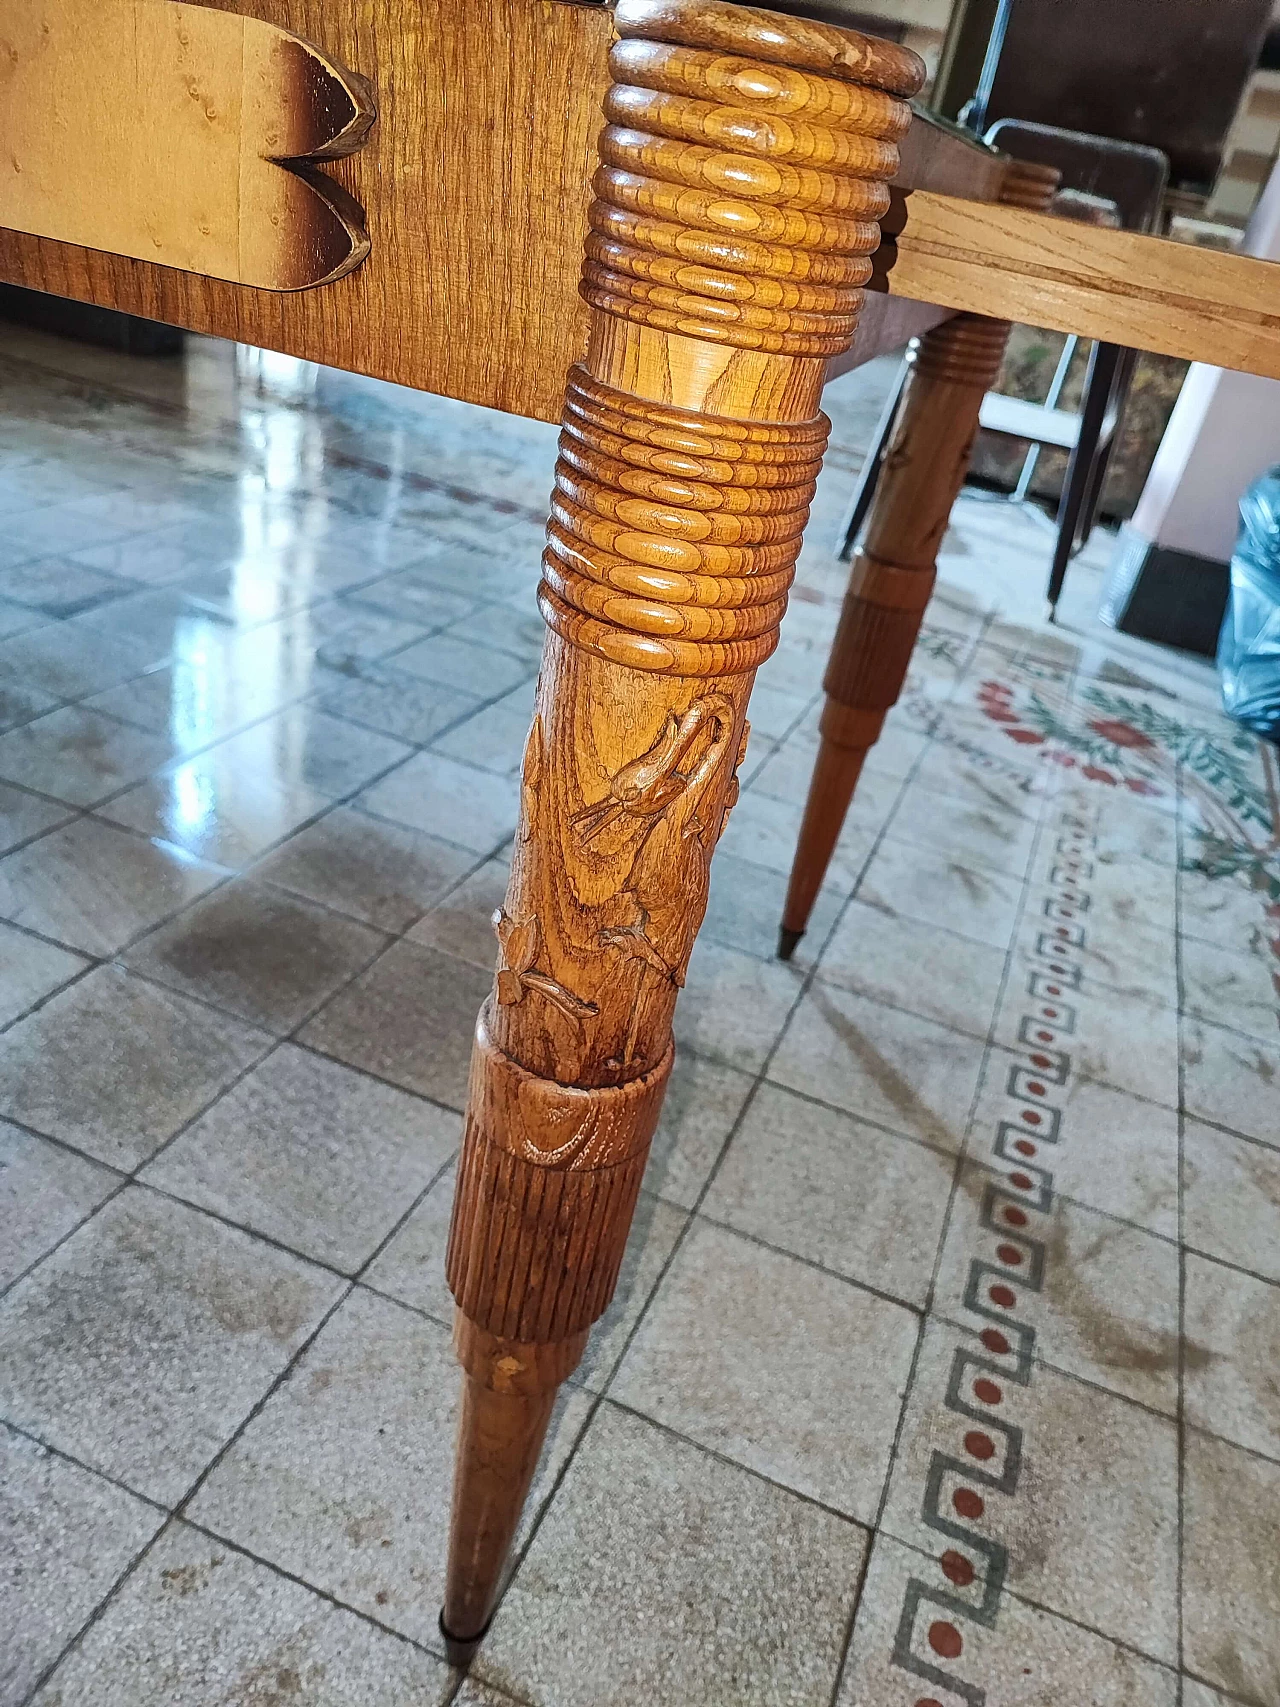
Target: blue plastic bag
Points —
{"points": [[1249, 644]]}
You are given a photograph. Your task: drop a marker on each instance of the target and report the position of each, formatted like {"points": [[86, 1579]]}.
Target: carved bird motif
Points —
{"points": [[644, 788]]}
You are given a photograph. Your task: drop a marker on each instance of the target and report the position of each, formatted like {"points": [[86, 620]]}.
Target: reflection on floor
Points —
{"points": [[945, 1367]]}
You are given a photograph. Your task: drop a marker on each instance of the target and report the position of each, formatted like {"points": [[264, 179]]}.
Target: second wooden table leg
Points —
{"points": [[743, 176], [891, 580]]}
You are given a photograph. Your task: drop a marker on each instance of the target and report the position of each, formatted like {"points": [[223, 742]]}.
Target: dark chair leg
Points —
{"points": [[1080, 469], [865, 491]]}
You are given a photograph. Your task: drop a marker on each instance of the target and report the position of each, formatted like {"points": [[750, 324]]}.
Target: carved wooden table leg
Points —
{"points": [[892, 576], [742, 178]]}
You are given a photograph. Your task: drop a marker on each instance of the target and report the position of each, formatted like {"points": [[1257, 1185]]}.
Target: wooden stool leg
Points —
{"points": [[952, 369], [690, 446]]}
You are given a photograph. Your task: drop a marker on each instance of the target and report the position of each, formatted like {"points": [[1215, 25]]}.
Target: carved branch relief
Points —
{"points": [[521, 944]]}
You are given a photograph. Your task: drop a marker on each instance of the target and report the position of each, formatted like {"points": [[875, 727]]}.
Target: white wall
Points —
{"points": [[1224, 432]]}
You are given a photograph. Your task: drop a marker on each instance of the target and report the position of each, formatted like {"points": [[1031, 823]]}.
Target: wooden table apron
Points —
{"points": [[742, 183]]}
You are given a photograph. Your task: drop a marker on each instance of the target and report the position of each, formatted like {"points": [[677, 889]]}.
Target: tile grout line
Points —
{"points": [[1180, 1421]]}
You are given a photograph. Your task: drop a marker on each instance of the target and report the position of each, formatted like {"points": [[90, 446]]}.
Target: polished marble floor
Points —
{"points": [[945, 1367]]}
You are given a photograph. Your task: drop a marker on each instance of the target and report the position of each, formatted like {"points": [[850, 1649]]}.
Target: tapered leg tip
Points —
{"points": [[787, 940], [458, 1652]]}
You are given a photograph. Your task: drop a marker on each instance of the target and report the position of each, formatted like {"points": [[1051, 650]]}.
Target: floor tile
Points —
{"points": [[419, 594], [379, 696], [30, 969], [979, 833], [462, 923], [1231, 1204], [733, 1006], [1024, 1657], [861, 1202], [1079, 1497], [67, 1531], [749, 1604], [45, 1191], [703, 1101], [1231, 1568], [1232, 1355], [908, 964], [330, 755], [218, 809], [141, 1344], [474, 808], [1230, 1079], [115, 1065], [493, 738], [382, 873], [957, 769], [1238, 990], [744, 911], [1132, 894], [59, 586], [410, 1018], [155, 557], [323, 1159], [763, 831], [767, 1361], [1197, 1694], [171, 622], [78, 755], [788, 773], [32, 482], [69, 663], [24, 815], [411, 1268], [345, 636], [774, 710], [343, 1478], [20, 703], [1101, 1297], [970, 900], [891, 1068], [191, 703], [1131, 964], [1222, 910], [512, 625], [473, 1694], [654, 1230], [896, 752], [456, 663], [95, 887], [266, 955], [57, 528], [201, 1624]]}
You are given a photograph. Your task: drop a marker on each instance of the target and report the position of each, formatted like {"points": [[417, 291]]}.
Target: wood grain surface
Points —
{"points": [[1146, 293], [475, 183], [158, 131]]}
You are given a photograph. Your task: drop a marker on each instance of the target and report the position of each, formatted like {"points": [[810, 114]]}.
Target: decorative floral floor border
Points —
{"points": [[1030, 1125]]}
